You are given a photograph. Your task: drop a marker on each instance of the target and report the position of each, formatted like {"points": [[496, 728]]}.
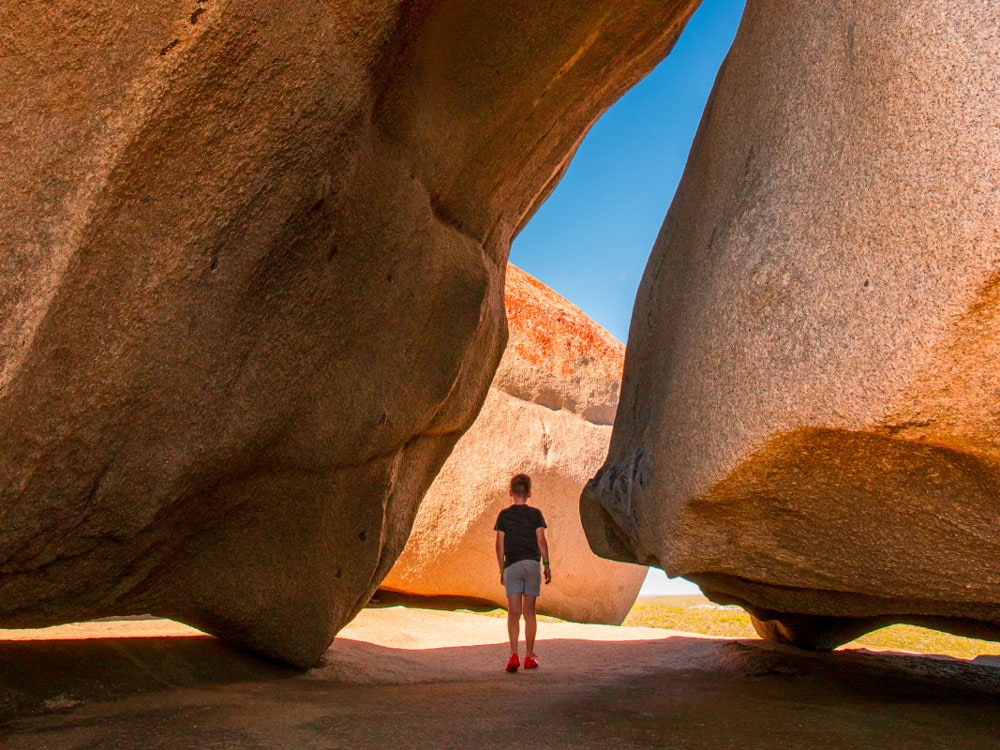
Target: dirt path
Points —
{"points": [[415, 678]]}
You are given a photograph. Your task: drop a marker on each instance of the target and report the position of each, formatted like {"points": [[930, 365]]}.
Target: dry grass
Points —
{"points": [[695, 614], [692, 614]]}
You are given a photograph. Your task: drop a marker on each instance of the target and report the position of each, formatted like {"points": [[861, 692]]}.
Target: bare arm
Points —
{"points": [[500, 553], [543, 547]]}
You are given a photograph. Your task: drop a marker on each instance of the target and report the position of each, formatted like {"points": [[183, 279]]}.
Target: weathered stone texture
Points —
{"points": [[809, 423], [548, 415], [250, 287]]}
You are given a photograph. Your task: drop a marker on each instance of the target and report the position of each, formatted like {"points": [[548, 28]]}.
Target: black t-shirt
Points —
{"points": [[518, 524]]}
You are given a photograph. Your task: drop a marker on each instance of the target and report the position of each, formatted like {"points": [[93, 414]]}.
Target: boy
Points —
{"points": [[521, 545]]}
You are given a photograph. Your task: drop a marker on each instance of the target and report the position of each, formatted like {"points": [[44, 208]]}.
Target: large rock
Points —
{"points": [[809, 422], [548, 414], [250, 287]]}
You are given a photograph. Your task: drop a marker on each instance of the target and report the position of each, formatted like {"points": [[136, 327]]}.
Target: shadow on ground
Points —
{"points": [[42, 675], [674, 691]]}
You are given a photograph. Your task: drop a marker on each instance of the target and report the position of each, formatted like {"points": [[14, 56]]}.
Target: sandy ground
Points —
{"points": [[420, 678]]}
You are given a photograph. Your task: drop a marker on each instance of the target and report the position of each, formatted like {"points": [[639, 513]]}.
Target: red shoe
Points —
{"points": [[530, 662], [513, 663]]}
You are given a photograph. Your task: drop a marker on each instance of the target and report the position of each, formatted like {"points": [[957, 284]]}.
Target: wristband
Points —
{"points": [[545, 563]]}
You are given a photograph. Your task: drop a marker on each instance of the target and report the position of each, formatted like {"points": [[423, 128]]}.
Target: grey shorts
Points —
{"points": [[524, 577]]}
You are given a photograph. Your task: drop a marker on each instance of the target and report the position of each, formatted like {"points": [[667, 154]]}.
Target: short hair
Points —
{"points": [[520, 485]]}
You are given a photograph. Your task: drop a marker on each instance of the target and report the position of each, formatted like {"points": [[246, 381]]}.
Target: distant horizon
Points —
{"points": [[607, 210]]}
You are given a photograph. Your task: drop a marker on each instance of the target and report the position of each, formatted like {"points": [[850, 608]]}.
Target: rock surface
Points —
{"points": [[809, 423], [250, 292], [548, 414], [395, 672]]}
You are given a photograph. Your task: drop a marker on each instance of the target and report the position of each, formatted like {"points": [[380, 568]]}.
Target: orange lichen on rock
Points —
{"points": [[556, 355], [551, 333]]}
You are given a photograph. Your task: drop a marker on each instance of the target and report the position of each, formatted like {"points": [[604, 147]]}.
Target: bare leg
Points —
{"points": [[530, 625], [514, 617]]}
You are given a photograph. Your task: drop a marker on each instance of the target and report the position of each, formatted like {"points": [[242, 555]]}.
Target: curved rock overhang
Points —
{"points": [[252, 291]]}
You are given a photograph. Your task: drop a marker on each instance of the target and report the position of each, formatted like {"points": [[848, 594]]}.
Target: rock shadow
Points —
{"points": [[42, 675]]}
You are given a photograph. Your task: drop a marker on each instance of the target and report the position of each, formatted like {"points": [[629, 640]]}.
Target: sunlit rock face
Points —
{"points": [[251, 284], [548, 414], [809, 422]]}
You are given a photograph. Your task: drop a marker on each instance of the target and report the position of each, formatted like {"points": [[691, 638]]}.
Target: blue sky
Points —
{"points": [[591, 238]]}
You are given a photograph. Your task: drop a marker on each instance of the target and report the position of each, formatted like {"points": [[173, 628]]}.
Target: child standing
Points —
{"points": [[522, 552]]}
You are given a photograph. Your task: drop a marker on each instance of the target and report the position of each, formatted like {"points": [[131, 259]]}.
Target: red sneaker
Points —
{"points": [[530, 662], [513, 663]]}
